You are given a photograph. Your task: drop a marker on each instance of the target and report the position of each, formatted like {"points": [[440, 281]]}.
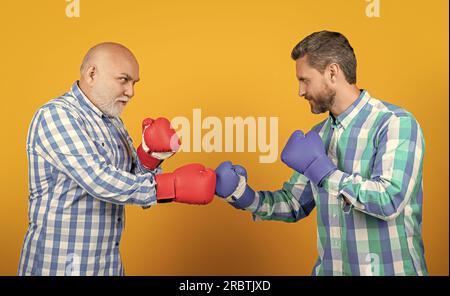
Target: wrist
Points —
{"points": [[243, 195], [326, 176], [147, 161], [240, 188], [245, 200]]}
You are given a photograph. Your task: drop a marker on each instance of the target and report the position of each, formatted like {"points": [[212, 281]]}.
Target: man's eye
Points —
{"points": [[123, 79]]}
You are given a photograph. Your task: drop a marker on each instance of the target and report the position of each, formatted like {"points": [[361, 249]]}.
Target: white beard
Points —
{"points": [[111, 108]]}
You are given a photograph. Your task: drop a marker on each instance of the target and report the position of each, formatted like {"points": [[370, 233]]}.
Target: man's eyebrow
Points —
{"points": [[129, 77]]}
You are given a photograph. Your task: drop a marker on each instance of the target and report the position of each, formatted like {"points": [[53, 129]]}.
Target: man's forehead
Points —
{"points": [[302, 64], [124, 66], [301, 67]]}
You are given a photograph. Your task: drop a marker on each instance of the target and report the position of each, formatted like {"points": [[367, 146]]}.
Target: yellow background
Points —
{"points": [[229, 58]]}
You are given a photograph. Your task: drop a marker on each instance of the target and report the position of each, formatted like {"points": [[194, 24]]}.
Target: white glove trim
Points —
{"points": [[239, 191]]}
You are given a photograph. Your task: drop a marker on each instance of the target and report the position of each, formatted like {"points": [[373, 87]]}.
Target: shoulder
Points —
{"points": [[393, 115], [56, 113], [396, 123], [388, 108]]}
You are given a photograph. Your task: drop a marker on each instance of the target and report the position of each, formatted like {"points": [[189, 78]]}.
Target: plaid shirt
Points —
{"points": [[82, 169], [378, 149]]}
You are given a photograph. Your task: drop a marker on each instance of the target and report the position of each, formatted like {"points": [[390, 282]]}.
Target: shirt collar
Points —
{"points": [[84, 101], [348, 115]]}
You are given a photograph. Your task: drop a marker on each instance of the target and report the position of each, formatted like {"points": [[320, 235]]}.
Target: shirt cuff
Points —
{"points": [[333, 184], [147, 188], [354, 203]]}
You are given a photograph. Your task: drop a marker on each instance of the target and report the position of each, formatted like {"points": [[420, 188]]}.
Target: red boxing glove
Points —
{"points": [[159, 142], [191, 184]]}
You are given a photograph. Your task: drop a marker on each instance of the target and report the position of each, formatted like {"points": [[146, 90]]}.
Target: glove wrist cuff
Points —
{"points": [[165, 187], [319, 169], [246, 199], [147, 161], [240, 189]]}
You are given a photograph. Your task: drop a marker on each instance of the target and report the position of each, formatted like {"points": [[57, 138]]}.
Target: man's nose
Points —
{"points": [[301, 91], [129, 90]]}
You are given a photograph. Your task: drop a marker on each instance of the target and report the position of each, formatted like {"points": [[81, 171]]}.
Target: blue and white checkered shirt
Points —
{"points": [[83, 169]]}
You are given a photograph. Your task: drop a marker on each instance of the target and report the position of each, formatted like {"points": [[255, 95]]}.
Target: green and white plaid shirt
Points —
{"points": [[378, 149]]}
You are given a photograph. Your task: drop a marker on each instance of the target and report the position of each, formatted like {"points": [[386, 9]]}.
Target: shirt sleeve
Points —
{"points": [[63, 141], [138, 169], [396, 174], [292, 203]]}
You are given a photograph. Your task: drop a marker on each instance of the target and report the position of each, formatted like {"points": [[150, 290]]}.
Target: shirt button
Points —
{"points": [[117, 244], [119, 219], [119, 146]]}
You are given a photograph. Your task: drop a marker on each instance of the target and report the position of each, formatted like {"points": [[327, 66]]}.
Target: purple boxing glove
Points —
{"points": [[227, 181], [306, 155]]}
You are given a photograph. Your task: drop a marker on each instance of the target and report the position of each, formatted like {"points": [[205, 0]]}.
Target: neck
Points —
{"points": [[344, 98], [82, 85]]}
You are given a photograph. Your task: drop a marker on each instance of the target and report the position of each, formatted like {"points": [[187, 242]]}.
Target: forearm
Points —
{"points": [[139, 168], [289, 204], [384, 198], [63, 141], [103, 181], [281, 205]]}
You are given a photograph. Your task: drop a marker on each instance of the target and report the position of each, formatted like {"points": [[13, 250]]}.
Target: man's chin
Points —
{"points": [[314, 109], [117, 115], [114, 113], [118, 110], [317, 111]]}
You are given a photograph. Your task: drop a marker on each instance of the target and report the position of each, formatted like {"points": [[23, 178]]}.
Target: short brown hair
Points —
{"points": [[325, 47]]}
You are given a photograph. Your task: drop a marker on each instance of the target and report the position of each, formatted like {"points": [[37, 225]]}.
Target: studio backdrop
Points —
{"points": [[222, 71]]}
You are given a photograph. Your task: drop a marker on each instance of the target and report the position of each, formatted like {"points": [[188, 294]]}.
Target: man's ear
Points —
{"points": [[333, 69], [91, 75]]}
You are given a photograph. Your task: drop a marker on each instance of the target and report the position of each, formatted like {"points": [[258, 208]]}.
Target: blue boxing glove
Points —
{"points": [[306, 155], [231, 184]]}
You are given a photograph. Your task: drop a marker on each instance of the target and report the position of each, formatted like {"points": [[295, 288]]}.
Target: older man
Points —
{"points": [[361, 168], [83, 169]]}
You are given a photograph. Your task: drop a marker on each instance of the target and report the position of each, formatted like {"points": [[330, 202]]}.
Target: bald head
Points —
{"points": [[105, 52], [108, 74]]}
